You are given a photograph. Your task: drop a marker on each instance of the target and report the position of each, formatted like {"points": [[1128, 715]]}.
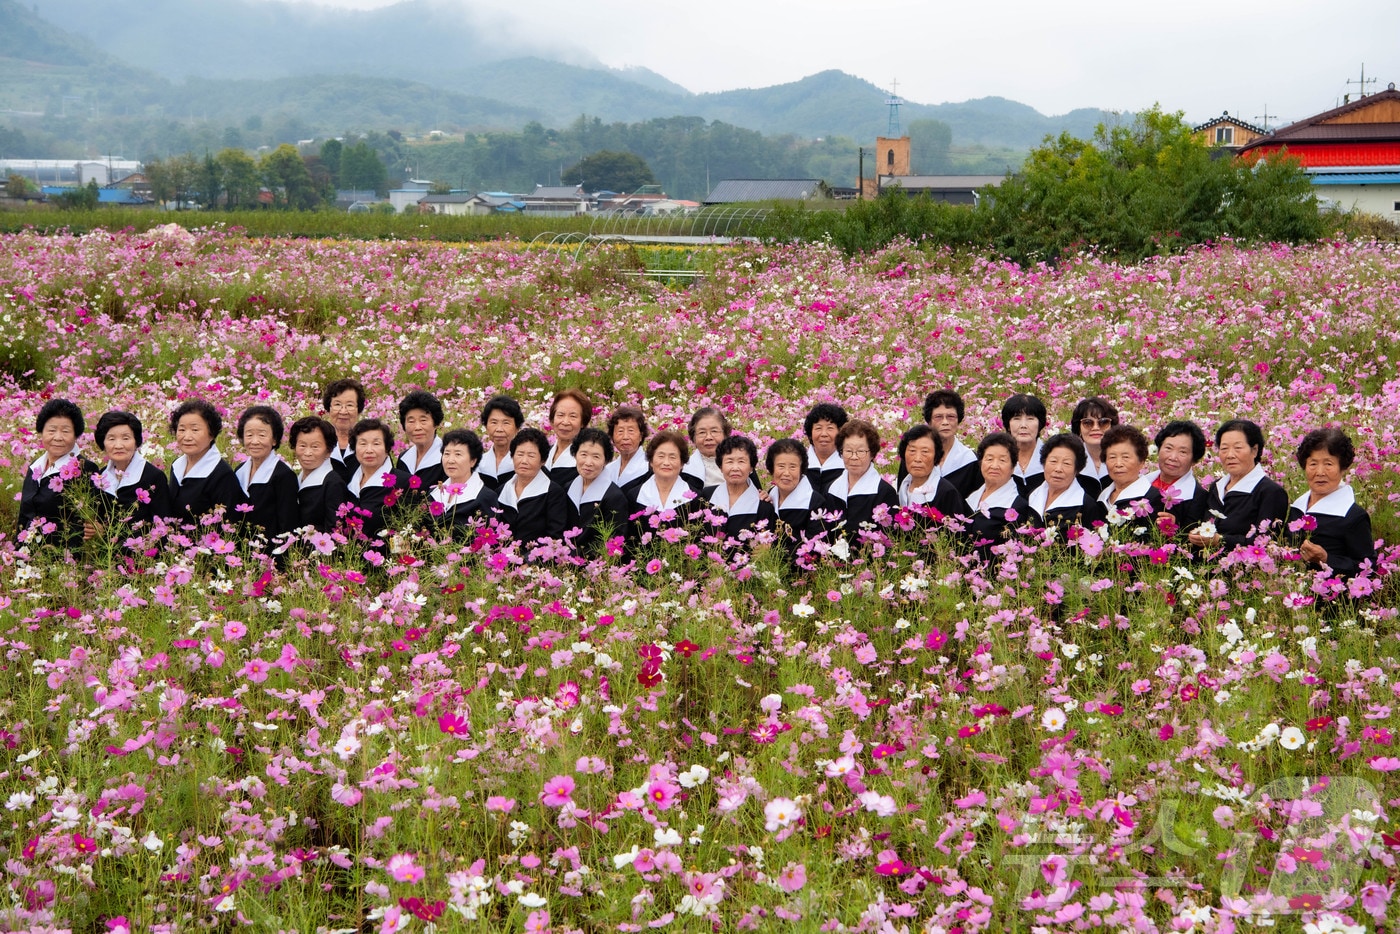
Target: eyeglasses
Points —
{"points": [[344, 407], [1096, 423], [855, 452]]}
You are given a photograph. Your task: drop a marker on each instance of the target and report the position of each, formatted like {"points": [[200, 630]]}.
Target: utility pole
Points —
{"points": [[1361, 85], [1265, 117], [860, 178]]}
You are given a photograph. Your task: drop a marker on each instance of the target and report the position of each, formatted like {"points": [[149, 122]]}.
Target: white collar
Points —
{"points": [[264, 472], [316, 477], [202, 468], [696, 465], [868, 484], [466, 492], [536, 487], [799, 498], [649, 496], [338, 455], [595, 490], [1185, 485], [1090, 471], [908, 494], [1001, 499], [636, 467], [1246, 485], [409, 458], [359, 483], [560, 456], [958, 457], [833, 462], [504, 465], [745, 505], [1074, 496], [1036, 466], [1336, 503], [109, 482], [1136, 490], [38, 465]]}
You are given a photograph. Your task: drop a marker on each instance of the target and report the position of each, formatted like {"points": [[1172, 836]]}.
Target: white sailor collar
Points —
{"points": [[1001, 498], [868, 484], [595, 492], [745, 505], [1040, 496], [636, 467], [36, 469], [1246, 485], [338, 455], [696, 465], [449, 494], [1336, 503], [1185, 485], [111, 481], [799, 498], [264, 472], [958, 457], [359, 483], [502, 466], [1136, 490], [833, 462], [1090, 471], [560, 456], [409, 459], [649, 496], [1036, 466], [316, 477], [536, 487], [911, 495], [202, 467]]}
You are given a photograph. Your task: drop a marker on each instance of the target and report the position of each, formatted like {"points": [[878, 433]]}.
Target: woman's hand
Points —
{"points": [[91, 530], [1202, 541], [1313, 552]]}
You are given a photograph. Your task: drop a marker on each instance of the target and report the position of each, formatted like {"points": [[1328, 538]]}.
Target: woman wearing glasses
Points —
{"points": [[859, 489], [1092, 417]]}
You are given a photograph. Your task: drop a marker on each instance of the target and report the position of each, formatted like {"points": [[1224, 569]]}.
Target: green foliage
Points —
{"points": [[609, 170], [238, 176], [362, 170], [284, 172], [83, 198], [17, 186]]}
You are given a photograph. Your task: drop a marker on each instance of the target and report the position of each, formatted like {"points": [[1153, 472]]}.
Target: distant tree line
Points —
{"points": [[233, 180]]}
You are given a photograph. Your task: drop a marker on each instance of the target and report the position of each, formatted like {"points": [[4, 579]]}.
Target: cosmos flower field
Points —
{"points": [[901, 740]]}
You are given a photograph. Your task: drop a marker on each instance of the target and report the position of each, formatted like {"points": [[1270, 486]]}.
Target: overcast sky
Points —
{"points": [[1201, 56]]}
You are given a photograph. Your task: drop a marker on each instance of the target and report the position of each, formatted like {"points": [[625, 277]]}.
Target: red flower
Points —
{"points": [[1318, 723], [1189, 692], [687, 648], [452, 723], [967, 731], [415, 482], [650, 674], [84, 844]]}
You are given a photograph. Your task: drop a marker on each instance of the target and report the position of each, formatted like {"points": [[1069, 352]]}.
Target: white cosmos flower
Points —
{"points": [[1291, 738]]}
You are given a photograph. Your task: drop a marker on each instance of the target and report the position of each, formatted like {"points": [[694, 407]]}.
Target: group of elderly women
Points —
{"points": [[597, 487]]}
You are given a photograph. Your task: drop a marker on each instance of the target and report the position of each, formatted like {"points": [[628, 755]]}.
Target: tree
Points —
{"points": [[331, 151], [17, 186], [362, 170], [284, 172], [609, 170], [211, 183], [84, 198], [239, 176]]}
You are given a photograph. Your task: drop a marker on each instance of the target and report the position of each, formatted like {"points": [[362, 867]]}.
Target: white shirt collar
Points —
{"points": [[745, 505], [1036, 466], [703, 468], [202, 468], [833, 462], [38, 465], [1185, 485], [869, 483], [1246, 485], [958, 457], [636, 467], [1136, 490], [1074, 496], [264, 472], [595, 490], [917, 496], [359, 483], [317, 476], [409, 458], [799, 498], [536, 487], [564, 458], [1336, 503], [1090, 471], [338, 455], [464, 492], [109, 482], [503, 466], [1001, 499], [649, 497]]}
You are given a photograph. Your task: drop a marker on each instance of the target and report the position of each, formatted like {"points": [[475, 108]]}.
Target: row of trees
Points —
{"points": [[234, 180]]}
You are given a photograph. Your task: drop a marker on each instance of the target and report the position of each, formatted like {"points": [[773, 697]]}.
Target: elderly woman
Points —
{"points": [[738, 498], [462, 495], [667, 491], [533, 505], [1063, 500], [627, 430], [501, 418], [371, 488], [821, 427], [943, 412], [1090, 419], [920, 450], [1128, 494], [997, 505], [343, 402], [1329, 526], [136, 489], [267, 483], [860, 489], [321, 491], [792, 494], [420, 467], [45, 495], [1245, 498], [1180, 446], [601, 504], [1024, 418], [569, 413], [201, 481], [707, 428]]}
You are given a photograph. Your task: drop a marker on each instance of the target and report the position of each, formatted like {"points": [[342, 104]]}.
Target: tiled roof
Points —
{"points": [[1318, 129], [763, 189]]}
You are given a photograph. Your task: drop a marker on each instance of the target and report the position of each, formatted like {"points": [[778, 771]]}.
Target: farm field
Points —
{"points": [[900, 739]]}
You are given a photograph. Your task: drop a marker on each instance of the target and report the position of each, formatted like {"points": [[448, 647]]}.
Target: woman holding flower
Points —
{"points": [[666, 497], [1330, 527], [462, 496], [59, 424], [997, 504], [372, 486], [1128, 494], [201, 481], [320, 489], [136, 491], [1180, 447], [1244, 499], [533, 504], [420, 467]]}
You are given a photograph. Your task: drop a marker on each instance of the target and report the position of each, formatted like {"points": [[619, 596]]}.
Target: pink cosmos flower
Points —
{"points": [[499, 804], [661, 794], [779, 813], [558, 791], [792, 878], [403, 868], [452, 723]]}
